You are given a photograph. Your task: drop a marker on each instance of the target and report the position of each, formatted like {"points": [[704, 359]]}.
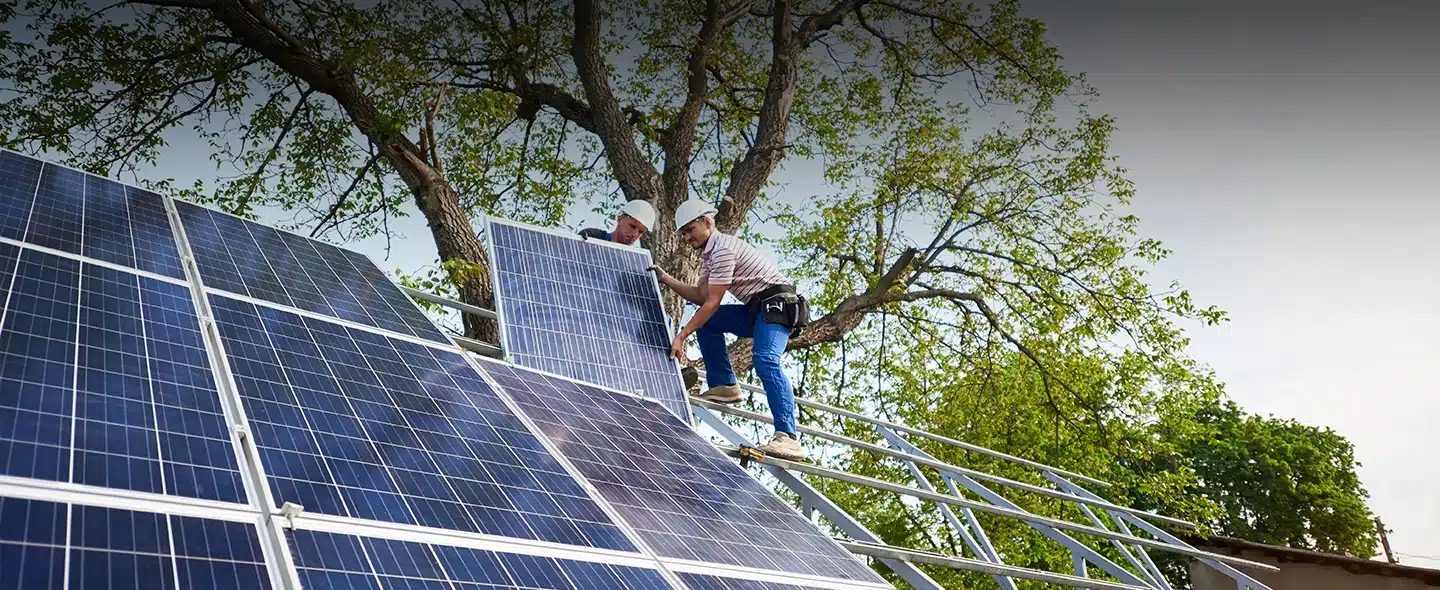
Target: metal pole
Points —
{"points": [[1242, 579], [888, 552], [811, 497], [451, 303], [886, 486], [814, 405], [1077, 549], [929, 461]]}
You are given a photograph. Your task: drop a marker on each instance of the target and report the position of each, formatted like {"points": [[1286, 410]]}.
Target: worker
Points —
{"points": [[772, 311], [636, 217]]}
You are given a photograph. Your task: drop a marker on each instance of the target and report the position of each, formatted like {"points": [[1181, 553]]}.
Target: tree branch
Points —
{"points": [[636, 176]]}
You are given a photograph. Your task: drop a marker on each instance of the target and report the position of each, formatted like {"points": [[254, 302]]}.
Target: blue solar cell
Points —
{"points": [[111, 384], [251, 259], [331, 560], [155, 249], [55, 220], [122, 549], [107, 222], [79, 213], [19, 177], [584, 310], [356, 424], [685, 499]]}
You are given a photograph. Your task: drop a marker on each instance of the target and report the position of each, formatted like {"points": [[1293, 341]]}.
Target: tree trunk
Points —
{"points": [[437, 200]]}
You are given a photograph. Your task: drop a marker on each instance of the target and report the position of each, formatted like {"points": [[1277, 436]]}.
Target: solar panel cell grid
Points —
{"points": [[19, 176], [52, 546], [55, 219], [686, 500], [111, 384], [331, 560], [355, 424], [82, 214], [250, 259], [586, 311]]}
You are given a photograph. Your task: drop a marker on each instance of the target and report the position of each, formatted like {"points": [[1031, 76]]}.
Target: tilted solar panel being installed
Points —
{"points": [[107, 382], [259, 261], [55, 546], [686, 500], [351, 423], [584, 309], [70, 211]]}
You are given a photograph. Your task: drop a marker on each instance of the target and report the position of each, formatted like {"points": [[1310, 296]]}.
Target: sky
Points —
{"points": [[1283, 151]]}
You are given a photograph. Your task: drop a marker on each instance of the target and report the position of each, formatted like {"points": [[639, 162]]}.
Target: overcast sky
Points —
{"points": [[1285, 154]]}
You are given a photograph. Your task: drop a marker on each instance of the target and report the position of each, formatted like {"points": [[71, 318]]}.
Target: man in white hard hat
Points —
{"points": [[636, 217], [772, 311]]}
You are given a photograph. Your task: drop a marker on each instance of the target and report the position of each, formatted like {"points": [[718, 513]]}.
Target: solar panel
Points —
{"points": [[334, 560], [352, 423], [70, 211], [261, 262], [584, 309], [107, 382], [51, 546], [686, 500]]}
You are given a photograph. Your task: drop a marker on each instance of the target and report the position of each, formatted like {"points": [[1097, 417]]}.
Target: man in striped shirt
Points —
{"points": [[729, 264]]}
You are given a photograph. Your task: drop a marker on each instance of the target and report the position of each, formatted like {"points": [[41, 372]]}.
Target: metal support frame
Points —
{"points": [[1242, 580], [1081, 552], [445, 302], [970, 531], [817, 502], [886, 551]]}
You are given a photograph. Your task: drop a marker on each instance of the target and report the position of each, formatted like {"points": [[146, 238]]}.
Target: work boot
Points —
{"points": [[783, 446], [723, 394]]}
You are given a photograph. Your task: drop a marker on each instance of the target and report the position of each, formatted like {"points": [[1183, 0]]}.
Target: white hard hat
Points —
{"points": [[691, 210], [641, 211]]}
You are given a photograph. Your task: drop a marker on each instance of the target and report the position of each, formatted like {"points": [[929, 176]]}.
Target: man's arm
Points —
{"points": [[693, 293], [711, 302]]}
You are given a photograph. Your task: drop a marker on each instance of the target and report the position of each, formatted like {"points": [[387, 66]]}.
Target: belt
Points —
{"points": [[769, 293]]}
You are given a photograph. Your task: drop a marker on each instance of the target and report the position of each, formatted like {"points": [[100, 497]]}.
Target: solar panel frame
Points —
{"points": [[275, 266], [88, 216], [666, 554], [185, 546], [677, 404], [423, 559], [546, 501], [132, 394]]}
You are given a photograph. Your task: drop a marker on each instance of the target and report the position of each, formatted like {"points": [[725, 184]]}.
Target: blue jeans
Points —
{"points": [[770, 340]]}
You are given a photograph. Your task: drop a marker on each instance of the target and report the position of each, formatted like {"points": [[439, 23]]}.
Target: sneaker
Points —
{"points": [[724, 394], [783, 446]]}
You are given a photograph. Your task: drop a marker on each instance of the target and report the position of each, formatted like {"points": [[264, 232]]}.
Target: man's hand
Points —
{"points": [[660, 274], [677, 348]]}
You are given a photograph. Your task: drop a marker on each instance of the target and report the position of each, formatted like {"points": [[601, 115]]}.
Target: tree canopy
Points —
{"points": [[969, 250]]}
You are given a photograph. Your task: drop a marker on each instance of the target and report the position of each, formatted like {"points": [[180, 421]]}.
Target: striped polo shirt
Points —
{"points": [[729, 261]]}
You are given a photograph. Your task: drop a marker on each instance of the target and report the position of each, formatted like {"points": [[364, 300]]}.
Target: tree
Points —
{"points": [[1277, 481], [970, 238], [323, 107]]}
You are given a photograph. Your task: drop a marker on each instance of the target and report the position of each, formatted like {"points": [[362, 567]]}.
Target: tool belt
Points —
{"points": [[781, 305]]}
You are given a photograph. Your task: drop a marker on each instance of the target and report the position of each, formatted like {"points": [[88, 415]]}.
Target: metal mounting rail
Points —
{"points": [[942, 466], [812, 404], [911, 555], [478, 347], [1027, 517], [442, 301]]}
